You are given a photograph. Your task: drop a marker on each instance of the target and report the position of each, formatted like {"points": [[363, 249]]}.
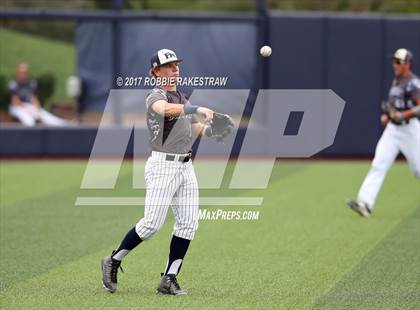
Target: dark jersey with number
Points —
{"points": [[169, 134], [404, 92]]}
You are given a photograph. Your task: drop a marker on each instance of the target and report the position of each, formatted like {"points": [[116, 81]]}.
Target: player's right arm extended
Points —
{"points": [[165, 108]]}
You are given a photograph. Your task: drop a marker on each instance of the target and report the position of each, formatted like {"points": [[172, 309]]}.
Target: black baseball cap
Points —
{"points": [[162, 57]]}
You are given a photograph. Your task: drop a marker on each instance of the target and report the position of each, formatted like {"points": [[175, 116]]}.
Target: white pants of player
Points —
{"points": [[169, 183], [404, 138], [28, 114]]}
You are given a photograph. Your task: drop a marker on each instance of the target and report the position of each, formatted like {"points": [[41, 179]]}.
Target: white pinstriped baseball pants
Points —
{"points": [[169, 183]]}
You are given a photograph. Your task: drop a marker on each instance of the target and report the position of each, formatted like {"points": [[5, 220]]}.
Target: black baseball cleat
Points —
{"points": [[109, 273], [168, 285], [361, 208]]}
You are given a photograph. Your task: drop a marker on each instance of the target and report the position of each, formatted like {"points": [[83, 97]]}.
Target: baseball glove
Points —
{"points": [[221, 126], [387, 108], [395, 115]]}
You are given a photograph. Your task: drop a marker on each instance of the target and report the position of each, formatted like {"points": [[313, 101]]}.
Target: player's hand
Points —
{"points": [[206, 113], [384, 119], [396, 116]]}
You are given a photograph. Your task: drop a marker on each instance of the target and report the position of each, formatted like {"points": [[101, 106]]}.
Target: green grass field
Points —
{"points": [[306, 251]]}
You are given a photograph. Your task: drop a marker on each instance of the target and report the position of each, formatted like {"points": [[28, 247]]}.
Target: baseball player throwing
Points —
{"points": [[402, 132], [170, 179]]}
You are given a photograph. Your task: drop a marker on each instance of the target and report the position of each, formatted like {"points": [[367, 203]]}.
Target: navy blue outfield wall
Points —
{"points": [[17, 141], [43, 141], [349, 54]]}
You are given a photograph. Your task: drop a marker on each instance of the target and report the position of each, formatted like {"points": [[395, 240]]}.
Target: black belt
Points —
{"points": [[404, 122], [183, 159]]}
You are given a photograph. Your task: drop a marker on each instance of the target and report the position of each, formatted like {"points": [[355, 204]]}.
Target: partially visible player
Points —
{"points": [[402, 132]]}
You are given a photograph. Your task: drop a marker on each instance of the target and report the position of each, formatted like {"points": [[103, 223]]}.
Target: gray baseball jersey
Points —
{"points": [[404, 92], [169, 134]]}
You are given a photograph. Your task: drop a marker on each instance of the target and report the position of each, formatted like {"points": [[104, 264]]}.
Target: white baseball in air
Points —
{"points": [[265, 51]]}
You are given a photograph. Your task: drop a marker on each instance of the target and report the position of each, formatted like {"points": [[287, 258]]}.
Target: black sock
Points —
{"points": [[178, 249], [130, 241]]}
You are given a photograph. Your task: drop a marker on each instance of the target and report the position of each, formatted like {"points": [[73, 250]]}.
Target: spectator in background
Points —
{"points": [[25, 103]]}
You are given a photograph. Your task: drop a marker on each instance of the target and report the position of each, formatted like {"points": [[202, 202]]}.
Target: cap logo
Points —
{"points": [[169, 55]]}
